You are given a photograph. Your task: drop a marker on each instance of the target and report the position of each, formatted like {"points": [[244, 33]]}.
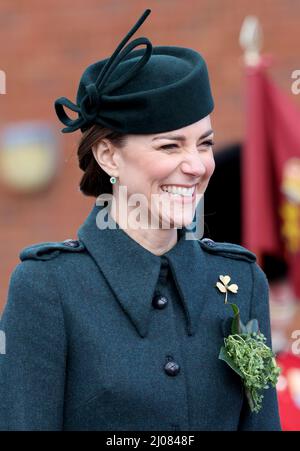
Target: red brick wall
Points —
{"points": [[45, 46]]}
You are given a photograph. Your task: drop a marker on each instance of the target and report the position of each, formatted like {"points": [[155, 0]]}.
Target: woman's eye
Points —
{"points": [[168, 146], [207, 143]]}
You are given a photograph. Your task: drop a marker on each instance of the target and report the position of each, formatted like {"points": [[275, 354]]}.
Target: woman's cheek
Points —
{"points": [[211, 167], [161, 170]]}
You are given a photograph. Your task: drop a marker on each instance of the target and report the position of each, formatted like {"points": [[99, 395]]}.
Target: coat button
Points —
{"points": [[159, 301], [172, 368], [71, 243]]}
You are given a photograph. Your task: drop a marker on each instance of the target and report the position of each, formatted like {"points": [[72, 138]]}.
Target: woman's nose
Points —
{"points": [[193, 164]]}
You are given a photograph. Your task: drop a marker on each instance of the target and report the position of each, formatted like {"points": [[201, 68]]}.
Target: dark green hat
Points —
{"points": [[149, 90]]}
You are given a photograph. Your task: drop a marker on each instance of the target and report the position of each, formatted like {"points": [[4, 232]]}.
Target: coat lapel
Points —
{"points": [[132, 271], [189, 269]]}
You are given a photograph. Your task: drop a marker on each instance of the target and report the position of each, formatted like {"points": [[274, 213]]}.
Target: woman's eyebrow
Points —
{"points": [[182, 137]]}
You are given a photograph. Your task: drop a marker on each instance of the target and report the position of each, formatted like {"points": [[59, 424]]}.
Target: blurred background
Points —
{"points": [[45, 47]]}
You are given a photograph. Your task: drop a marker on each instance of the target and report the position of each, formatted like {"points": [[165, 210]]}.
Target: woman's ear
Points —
{"points": [[104, 153]]}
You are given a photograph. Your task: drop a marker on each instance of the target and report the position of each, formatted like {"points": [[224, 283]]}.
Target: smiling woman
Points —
{"points": [[121, 328], [165, 181], [183, 171]]}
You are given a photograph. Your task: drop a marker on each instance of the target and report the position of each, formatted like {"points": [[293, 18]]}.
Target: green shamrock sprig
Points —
{"points": [[246, 352]]}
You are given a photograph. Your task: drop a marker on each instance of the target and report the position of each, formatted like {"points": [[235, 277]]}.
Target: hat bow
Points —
{"points": [[90, 105]]}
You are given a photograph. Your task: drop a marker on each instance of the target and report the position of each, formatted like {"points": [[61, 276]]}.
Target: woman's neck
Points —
{"points": [[156, 240]]}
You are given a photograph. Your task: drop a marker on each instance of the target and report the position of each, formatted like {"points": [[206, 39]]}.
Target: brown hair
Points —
{"points": [[95, 180]]}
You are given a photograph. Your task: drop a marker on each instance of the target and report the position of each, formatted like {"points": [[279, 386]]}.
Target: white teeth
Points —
{"points": [[179, 190]]}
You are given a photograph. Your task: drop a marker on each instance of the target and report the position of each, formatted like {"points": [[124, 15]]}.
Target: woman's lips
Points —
{"points": [[179, 197]]}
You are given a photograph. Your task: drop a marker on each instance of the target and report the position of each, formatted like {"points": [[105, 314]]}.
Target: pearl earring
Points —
{"points": [[113, 180]]}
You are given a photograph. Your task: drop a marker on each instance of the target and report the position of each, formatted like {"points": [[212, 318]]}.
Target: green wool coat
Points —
{"points": [[101, 334]]}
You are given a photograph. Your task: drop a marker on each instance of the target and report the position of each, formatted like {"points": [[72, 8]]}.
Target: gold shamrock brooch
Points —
{"points": [[224, 287]]}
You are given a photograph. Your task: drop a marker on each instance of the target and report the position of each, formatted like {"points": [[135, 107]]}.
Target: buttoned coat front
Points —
{"points": [[86, 348]]}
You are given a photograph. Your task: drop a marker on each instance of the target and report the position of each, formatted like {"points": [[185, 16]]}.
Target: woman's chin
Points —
{"points": [[176, 221], [173, 214]]}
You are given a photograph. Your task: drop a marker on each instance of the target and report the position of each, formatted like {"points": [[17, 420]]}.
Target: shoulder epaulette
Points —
{"points": [[49, 250], [230, 250]]}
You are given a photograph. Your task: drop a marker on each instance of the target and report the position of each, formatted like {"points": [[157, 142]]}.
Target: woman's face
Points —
{"points": [[169, 171]]}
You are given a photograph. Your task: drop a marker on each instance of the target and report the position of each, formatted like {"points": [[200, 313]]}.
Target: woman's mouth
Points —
{"points": [[180, 192]]}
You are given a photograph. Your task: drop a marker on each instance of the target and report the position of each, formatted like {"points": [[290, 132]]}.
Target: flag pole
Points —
{"points": [[251, 41]]}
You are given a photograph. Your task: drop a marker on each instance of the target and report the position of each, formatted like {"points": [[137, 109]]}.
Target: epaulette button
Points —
{"points": [[209, 242], [70, 242]]}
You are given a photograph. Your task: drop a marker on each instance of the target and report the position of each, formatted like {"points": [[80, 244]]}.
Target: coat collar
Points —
{"points": [[132, 271]]}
